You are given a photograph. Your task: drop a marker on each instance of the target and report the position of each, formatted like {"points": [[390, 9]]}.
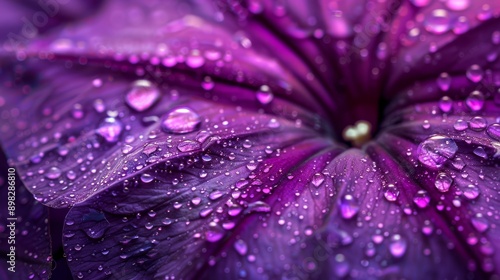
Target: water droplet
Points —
{"points": [[477, 123], [461, 25], [427, 229], [348, 206], [241, 247], [458, 5], [436, 150], [181, 120], [142, 95], [397, 246], [258, 206], [215, 195], [318, 179], [207, 83], [460, 125], [264, 95], [214, 233], [77, 112], [475, 73], [391, 193], [205, 212], [495, 38], [443, 182], [438, 22], [110, 129], [420, 3], [422, 199], [71, 175], [480, 223], [53, 173], [480, 152], [188, 146], [445, 104], [195, 60], [471, 192], [234, 211], [494, 131], [146, 178]]}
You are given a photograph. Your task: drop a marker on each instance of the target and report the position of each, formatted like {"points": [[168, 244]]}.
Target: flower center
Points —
{"points": [[357, 134]]}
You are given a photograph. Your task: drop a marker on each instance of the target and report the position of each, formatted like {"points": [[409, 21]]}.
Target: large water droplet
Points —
{"points": [[259, 206], [264, 95], [348, 206], [181, 120], [471, 192], [422, 199], [445, 104], [436, 150], [391, 193], [214, 233], [397, 247], [438, 21], [475, 73], [480, 223], [458, 5], [188, 146], [318, 179], [241, 247], [475, 101], [420, 3], [53, 173], [494, 131], [142, 95], [443, 182], [478, 123], [110, 129]]}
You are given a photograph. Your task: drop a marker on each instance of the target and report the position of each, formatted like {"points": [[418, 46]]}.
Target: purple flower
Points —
{"points": [[260, 139]]}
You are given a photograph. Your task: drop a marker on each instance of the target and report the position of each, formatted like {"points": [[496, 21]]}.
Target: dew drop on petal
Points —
{"points": [[475, 73], [264, 95], [438, 21], [195, 60], [391, 193], [436, 150], [480, 223], [494, 131], [443, 182], [445, 104], [480, 152], [495, 38], [471, 192], [110, 129], [420, 3], [241, 247], [458, 5], [478, 123], [348, 206], [397, 246], [53, 173], [461, 25], [181, 120], [422, 199], [146, 178], [259, 206], [214, 233], [318, 179], [188, 146], [142, 95], [460, 125]]}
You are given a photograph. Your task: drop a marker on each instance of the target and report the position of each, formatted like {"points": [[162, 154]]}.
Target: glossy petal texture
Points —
{"points": [[250, 184], [29, 234]]}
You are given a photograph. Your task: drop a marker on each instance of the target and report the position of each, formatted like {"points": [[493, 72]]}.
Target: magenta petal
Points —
{"points": [[226, 204]]}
